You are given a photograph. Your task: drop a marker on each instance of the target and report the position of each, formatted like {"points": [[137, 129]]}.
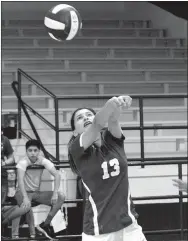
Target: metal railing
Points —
{"points": [[57, 130]]}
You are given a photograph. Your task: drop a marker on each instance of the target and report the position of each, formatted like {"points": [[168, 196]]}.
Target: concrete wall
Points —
{"points": [[160, 18]]}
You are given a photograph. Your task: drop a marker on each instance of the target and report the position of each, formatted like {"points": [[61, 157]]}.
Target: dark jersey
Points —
{"points": [[104, 173], [6, 150]]}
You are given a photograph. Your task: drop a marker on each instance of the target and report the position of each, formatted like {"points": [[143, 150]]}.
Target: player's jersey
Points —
{"points": [[104, 173]]}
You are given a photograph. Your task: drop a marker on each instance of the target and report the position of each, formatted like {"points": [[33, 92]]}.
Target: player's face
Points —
{"points": [[33, 153], [83, 118]]}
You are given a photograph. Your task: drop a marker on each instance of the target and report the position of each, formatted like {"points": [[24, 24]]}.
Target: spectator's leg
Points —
{"points": [[30, 222], [19, 210], [45, 198], [4, 191], [8, 211], [15, 227]]}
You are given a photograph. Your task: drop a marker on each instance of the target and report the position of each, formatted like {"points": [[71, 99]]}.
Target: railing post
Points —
{"points": [[19, 105], [56, 104], [141, 130], [181, 203]]}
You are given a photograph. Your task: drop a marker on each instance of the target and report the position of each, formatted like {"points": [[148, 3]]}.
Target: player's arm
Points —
{"points": [[113, 121], [114, 125], [99, 122]]}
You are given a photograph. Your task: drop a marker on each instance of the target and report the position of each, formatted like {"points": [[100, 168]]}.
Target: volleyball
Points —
{"points": [[63, 22]]}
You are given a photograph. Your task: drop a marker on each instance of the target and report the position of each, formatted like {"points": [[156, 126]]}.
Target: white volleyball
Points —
{"points": [[63, 22]]}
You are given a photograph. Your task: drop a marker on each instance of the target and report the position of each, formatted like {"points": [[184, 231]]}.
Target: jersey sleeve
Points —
{"points": [[47, 164], [22, 164], [110, 139], [77, 149], [7, 147]]}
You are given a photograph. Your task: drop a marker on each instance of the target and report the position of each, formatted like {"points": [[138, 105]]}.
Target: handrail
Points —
{"points": [[36, 83], [55, 128], [133, 96], [136, 163], [36, 113], [154, 127], [14, 83]]}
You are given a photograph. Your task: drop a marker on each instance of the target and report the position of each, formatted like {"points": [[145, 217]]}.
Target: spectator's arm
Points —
{"points": [[21, 174], [181, 185], [10, 159]]}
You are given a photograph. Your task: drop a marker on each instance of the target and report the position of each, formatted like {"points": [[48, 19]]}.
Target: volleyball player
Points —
{"points": [[29, 187], [97, 155]]}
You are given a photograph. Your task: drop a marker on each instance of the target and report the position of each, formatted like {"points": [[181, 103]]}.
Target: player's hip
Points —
{"points": [[132, 233]]}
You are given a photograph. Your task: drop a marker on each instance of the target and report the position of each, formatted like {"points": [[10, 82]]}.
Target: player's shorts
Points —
{"points": [[130, 233]]}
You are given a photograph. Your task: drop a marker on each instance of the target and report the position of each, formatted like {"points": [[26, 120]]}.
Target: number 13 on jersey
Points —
{"points": [[113, 163]]}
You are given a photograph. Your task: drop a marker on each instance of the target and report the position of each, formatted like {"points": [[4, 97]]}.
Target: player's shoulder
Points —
{"points": [[75, 143]]}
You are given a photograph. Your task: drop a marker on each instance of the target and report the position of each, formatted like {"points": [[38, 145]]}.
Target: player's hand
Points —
{"points": [[180, 184], [121, 101], [26, 203], [54, 198], [125, 101]]}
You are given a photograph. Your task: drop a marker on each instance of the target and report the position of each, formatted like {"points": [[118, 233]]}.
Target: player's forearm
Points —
{"points": [[57, 182], [102, 116]]}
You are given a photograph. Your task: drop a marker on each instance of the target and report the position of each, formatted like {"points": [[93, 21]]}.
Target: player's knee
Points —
{"points": [[61, 197]]}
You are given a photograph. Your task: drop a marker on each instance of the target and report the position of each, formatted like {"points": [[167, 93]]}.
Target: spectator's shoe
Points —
{"points": [[15, 237], [45, 230], [52, 234], [4, 237], [34, 237]]}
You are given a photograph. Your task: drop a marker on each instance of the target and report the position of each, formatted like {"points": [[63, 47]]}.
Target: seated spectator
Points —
{"points": [[9, 209], [7, 158], [28, 190]]}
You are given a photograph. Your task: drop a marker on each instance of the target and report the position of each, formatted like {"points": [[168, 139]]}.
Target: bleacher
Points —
{"points": [[108, 57]]}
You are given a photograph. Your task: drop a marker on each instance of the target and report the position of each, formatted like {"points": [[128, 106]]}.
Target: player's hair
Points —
{"points": [[33, 142], [71, 161]]}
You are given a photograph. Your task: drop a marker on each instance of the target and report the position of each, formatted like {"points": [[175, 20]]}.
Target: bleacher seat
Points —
{"points": [[98, 32], [114, 63], [44, 101], [93, 52], [94, 41], [97, 23], [104, 87]]}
